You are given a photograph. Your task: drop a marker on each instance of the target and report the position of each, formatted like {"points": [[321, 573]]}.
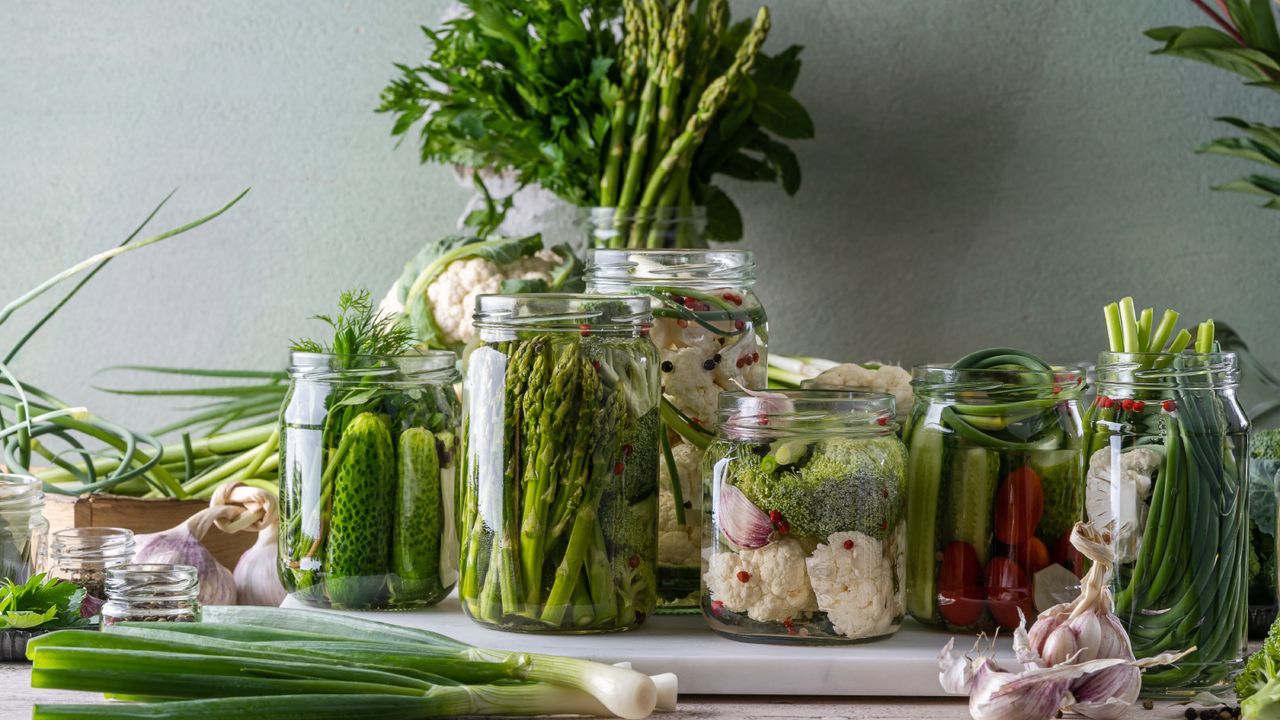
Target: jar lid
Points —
{"points": [[673, 268], [750, 415], [554, 312]]}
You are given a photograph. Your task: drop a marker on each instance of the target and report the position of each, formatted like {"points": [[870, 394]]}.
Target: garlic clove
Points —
{"points": [[1107, 694], [181, 545], [742, 523]]}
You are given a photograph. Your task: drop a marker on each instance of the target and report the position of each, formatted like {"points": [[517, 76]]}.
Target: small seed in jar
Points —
{"points": [[633, 562], [882, 421], [1169, 405], [682, 323], [627, 450], [1139, 406], [1126, 404], [775, 517], [717, 358], [848, 544], [717, 606], [708, 364], [619, 468], [739, 325], [668, 366], [584, 330], [688, 504], [744, 576], [1148, 704], [784, 527]]}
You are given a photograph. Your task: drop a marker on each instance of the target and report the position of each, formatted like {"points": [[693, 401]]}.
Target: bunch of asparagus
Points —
{"points": [[559, 512]]}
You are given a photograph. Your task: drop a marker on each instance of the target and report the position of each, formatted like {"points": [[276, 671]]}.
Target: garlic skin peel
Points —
{"points": [[182, 545], [256, 576]]}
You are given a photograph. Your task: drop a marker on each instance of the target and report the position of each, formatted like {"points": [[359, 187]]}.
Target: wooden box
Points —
{"points": [[141, 516]]}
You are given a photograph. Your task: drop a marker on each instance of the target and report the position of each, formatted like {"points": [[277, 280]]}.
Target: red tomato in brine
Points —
{"points": [[1007, 592], [1032, 556], [960, 595], [1019, 505]]}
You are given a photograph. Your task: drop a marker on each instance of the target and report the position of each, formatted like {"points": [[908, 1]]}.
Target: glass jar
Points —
{"points": [[152, 593], [803, 534], [1170, 427], [712, 335], [366, 480], [559, 508], [85, 555], [996, 478], [24, 532], [663, 228]]}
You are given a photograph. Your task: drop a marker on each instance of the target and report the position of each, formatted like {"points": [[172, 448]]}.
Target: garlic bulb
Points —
{"points": [[256, 577], [182, 545]]}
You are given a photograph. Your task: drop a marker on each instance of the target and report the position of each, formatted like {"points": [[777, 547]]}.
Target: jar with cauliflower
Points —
{"points": [[711, 333], [803, 530]]}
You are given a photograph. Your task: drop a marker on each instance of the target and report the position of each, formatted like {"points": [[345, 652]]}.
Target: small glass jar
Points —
{"points": [[1170, 427], [24, 532], [712, 335], [803, 532], [152, 593], [366, 480], [996, 477], [85, 555], [559, 506]]}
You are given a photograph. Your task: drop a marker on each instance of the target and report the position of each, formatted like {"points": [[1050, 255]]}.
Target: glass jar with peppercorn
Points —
{"points": [[152, 593], [996, 477], [560, 464], [85, 555], [803, 531], [712, 335]]}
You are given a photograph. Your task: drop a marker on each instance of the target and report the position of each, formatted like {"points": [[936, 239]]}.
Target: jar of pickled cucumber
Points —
{"points": [[804, 533], [1167, 482], [560, 465], [368, 446], [996, 482], [712, 335]]}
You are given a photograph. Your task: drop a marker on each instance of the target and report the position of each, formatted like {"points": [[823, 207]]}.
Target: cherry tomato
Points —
{"points": [[960, 595], [1066, 555], [1019, 505], [1032, 556], [1007, 591]]}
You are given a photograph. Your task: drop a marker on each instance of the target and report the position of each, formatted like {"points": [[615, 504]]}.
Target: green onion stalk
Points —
{"points": [[271, 663], [993, 419], [558, 499], [1187, 583], [85, 452]]}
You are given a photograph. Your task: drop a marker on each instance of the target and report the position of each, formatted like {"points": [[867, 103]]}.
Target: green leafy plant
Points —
{"points": [[358, 329], [641, 122], [1246, 42], [43, 603]]}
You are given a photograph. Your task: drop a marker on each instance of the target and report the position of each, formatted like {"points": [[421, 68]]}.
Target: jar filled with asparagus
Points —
{"points": [[995, 483], [368, 440], [560, 464], [712, 336], [1168, 459]]}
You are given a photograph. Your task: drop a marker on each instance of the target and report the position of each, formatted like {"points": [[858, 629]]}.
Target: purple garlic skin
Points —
{"points": [[744, 525], [180, 546]]}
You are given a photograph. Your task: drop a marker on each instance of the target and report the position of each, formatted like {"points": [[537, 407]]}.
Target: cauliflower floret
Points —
{"points": [[729, 373], [453, 294], [1137, 468], [889, 379], [853, 582], [769, 584], [668, 335], [680, 544], [689, 384]]}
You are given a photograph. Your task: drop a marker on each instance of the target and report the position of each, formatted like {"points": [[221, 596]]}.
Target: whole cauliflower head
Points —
{"points": [[680, 544], [889, 379], [853, 582], [769, 584], [453, 294], [689, 385]]}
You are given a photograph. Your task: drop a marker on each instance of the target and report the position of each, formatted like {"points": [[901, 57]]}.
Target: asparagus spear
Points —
{"points": [[633, 60]]}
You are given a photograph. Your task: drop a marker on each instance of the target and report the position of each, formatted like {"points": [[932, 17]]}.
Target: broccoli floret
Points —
{"points": [[844, 485], [1266, 444], [1261, 668]]}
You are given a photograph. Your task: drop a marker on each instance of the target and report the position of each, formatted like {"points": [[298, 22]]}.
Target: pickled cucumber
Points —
{"points": [[361, 518], [415, 542]]}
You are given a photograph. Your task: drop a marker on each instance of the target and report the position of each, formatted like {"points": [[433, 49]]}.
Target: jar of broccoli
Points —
{"points": [[996, 477], [560, 465], [711, 333], [366, 480], [803, 532]]}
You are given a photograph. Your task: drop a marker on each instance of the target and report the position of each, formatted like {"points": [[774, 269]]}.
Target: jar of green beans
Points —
{"points": [[711, 332], [560, 466], [995, 483], [367, 448], [1167, 480]]}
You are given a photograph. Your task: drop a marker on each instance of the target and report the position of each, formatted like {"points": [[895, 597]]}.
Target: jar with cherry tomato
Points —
{"points": [[995, 483]]}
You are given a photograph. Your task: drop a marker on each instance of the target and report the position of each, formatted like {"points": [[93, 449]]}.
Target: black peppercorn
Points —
{"points": [[708, 364], [1147, 704], [717, 358], [1190, 714], [1208, 714], [688, 505], [668, 366]]}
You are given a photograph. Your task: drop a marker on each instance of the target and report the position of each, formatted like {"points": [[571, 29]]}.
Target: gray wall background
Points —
{"points": [[985, 172]]}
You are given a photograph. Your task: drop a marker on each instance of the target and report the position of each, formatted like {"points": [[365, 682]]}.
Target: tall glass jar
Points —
{"points": [[559, 504], [804, 539], [712, 335], [152, 593], [996, 478], [24, 532], [367, 480], [1167, 480], [661, 228], [85, 555]]}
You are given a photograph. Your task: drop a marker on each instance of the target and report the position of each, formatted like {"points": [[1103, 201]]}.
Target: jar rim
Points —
{"points": [[667, 213], [1163, 370], [20, 491], [749, 414], [676, 268], [418, 365], [940, 379], [91, 540], [562, 312]]}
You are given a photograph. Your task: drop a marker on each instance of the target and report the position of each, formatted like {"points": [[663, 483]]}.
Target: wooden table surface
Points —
{"points": [[16, 698]]}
